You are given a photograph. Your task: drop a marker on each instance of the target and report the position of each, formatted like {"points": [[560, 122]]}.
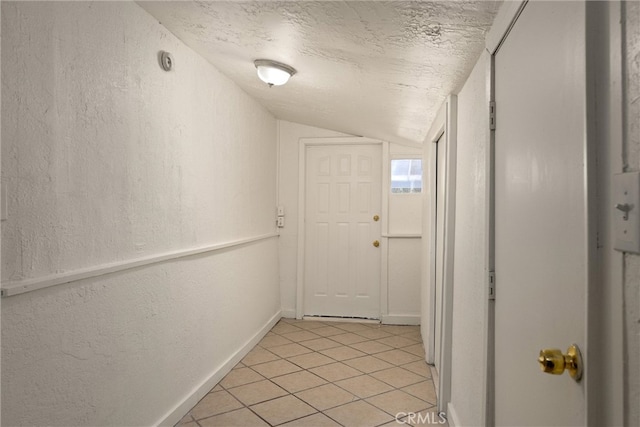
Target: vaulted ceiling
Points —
{"points": [[378, 69]]}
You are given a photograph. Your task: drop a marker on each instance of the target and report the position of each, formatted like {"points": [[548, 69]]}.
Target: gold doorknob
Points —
{"points": [[376, 243], [552, 361], [376, 217]]}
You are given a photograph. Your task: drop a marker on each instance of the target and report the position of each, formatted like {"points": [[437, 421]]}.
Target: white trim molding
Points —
{"points": [[175, 414], [502, 24], [452, 416], [289, 313], [445, 125], [384, 229], [16, 287], [400, 319]]}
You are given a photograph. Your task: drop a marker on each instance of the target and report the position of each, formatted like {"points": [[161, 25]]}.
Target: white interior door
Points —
{"points": [[342, 265], [541, 229]]}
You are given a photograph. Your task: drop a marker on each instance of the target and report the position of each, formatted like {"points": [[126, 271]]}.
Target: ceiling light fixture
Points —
{"points": [[273, 72]]}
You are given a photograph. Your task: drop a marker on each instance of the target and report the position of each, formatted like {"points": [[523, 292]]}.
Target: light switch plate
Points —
{"points": [[280, 211], [626, 215]]}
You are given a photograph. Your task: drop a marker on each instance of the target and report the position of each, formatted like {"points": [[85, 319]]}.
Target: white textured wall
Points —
{"points": [[631, 158], [289, 135], [108, 158], [404, 278], [469, 299], [405, 217]]}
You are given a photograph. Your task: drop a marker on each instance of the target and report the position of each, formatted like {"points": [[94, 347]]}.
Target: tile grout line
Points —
{"points": [[363, 374], [282, 331]]}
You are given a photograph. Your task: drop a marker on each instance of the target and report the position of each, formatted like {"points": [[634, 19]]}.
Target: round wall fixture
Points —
{"points": [[166, 60]]}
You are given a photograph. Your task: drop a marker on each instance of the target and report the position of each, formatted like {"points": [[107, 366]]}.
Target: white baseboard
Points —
{"points": [[452, 416], [289, 314], [401, 319], [218, 374]]}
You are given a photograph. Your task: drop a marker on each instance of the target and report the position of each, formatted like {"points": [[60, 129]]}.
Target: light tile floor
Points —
{"points": [[323, 373]]}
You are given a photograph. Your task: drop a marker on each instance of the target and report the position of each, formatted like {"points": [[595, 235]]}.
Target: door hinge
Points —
{"points": [[492, 285], [492, 115]]}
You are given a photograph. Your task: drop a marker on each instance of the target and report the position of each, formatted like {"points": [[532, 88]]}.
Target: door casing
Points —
{"points": [[443, 130]]}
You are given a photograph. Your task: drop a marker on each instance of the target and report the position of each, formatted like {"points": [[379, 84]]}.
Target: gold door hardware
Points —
{"points": [[552, 361], [376, 243], [376, 217]]}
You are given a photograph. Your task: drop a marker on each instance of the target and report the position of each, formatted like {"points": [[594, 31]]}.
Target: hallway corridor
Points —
{"points": [[321, 373]]}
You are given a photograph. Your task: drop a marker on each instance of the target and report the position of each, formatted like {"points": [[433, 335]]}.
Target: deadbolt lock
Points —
{"points": [[376, 243], [552, 361], [376, 217]]}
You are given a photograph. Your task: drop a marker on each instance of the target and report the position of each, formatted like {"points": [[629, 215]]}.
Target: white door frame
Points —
{"points": [[445, 124], [606, 395], [502, 24], [303, 143]]}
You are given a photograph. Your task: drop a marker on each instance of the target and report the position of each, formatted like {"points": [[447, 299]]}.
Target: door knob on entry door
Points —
{"points": [[376, 243], [552, 361], [376, 218]]}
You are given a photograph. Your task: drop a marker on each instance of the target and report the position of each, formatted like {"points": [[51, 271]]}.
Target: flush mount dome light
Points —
{"points": [[272, 72]]}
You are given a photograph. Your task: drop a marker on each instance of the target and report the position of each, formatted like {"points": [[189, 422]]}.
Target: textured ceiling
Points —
{"points": [[378, 69]]}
